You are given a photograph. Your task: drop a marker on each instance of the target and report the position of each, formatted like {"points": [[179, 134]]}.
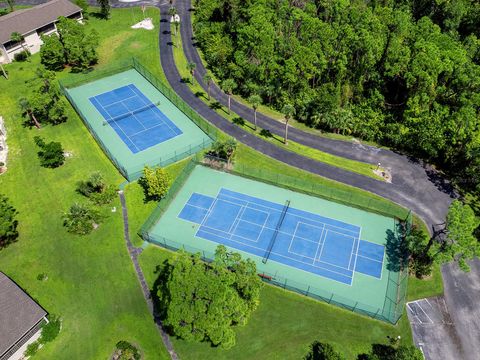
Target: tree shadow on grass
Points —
{"points": [[396, 248], [200, 94], [159, 294]]}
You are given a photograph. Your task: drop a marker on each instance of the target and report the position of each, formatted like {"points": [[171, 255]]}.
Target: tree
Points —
{"points": [[52, 53], [155, 182], [172, 11], [460, 244], [50, 154], [18, 38], [207, 79], [229, 85], [392, 352], [104, 8], [206, 301], [288, 111], [10, 4], [27, 108], [3, 71], [83, 4], [191, 69], [255, 101], [79, 46], [322, 351], [225, 150], [8, 222], [81, 219]]}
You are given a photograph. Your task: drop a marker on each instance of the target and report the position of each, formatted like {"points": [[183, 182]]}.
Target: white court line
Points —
{"points": [[235, 222], [302, 217], [320, 242], [366, 257], [283, 256], [119, 101], [166, 123], [117, 125]]}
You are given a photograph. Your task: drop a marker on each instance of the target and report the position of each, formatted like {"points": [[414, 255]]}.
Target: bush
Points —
{"points": [[32, 349], [80, 219], [21, 56], [51, 154], [126, 351], [51, 330], [96, 189], [8, 222], [225, 150]]}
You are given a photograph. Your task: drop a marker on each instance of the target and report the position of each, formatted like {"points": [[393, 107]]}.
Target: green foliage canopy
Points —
{"points": [[404, 73], [461, 244], [205, 302], [50, 154], [8, 222], [155, 182]]}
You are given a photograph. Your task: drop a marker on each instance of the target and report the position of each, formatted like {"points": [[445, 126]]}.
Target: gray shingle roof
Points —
{"points": [[27, 20], [18, 313]]}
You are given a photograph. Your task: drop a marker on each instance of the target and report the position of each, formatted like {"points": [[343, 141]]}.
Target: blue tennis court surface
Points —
{"points": [[305, 240], [136, 120]]}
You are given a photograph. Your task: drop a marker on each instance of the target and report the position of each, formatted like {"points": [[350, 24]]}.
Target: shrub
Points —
{"points": [[126, 351], [51, 330], [51, 154], [80, 219], [8, 222], [21, 56], [96, 189], [32, 349]]}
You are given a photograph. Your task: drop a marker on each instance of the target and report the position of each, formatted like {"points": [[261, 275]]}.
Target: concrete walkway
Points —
{"points": [[134, 252]]}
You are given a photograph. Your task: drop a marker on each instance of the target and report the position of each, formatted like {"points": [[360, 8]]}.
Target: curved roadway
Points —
{"points": [[415, 185]]}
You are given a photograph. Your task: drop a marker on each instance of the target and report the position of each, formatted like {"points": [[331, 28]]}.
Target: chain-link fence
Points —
{"points": [[396, 290]]}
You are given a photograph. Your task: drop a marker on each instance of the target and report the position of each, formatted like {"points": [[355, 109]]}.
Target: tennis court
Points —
{"points": [[313, 246], [135, 123], [135, 119], [283, 233]]}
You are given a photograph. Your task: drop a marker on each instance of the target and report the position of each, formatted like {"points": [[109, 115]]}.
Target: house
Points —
{"points": [[21, 319], [32, 23]]}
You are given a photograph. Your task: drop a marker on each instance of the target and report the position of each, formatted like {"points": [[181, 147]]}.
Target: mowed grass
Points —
{"points": [[358, 167], [285, 324], [91, 282]]}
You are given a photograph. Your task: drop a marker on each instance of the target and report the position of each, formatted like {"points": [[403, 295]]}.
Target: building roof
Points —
{"points": [[26, 20], [18, 313]]}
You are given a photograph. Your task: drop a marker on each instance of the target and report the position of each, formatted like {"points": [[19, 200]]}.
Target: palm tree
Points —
{"points": [[228, 86], [18, 38], [207, 79], [288, 111], [3, 71], [10, 4], [191, 66], [26, 107], [255, 101], [172, 12]]}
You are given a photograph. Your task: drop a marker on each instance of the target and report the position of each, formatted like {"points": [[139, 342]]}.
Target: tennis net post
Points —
{"points": [[277, 229]]}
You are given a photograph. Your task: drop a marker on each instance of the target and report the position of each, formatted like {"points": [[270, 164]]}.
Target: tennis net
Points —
{"points": [[131, 113], [277, 229]]}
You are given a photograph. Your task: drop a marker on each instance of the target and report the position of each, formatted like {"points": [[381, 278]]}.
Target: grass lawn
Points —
{"points": [[347, 164], [285, 324], [91, 281]]}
